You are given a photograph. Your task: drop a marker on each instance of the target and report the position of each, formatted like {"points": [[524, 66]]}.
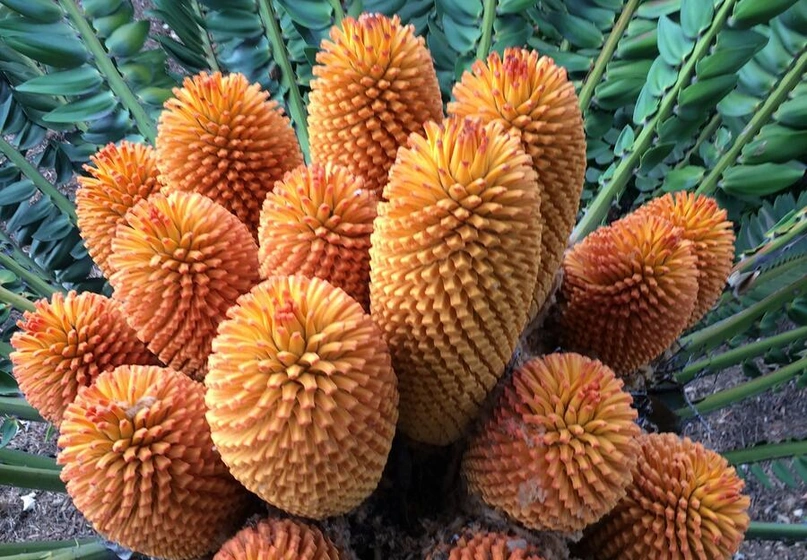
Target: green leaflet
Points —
{"points": [[309, 13], [684, 178], [127, 39], [793, 112], [78, 81], [696, 15], [698, 98], [760, 180], [733, 50], [748, 13], [61, 51], [8, 429], [673, 43], [107, 25], [91, 108], [513, 6], [100, 8], [42, 11], [775, 143]]}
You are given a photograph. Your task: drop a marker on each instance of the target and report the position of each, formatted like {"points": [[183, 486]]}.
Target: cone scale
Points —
{"points": [[454, 257]]}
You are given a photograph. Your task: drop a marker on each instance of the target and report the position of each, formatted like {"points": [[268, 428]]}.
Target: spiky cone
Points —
{"points": [[534, 98], [489, 546], [180, 262], [279, 539], [453, 262], [374, 84], [120, 176], [140, 465], [65, 344], [317, 222], [706, 225], [558, 450], [629, 290], [301, 395], [222, 137], [685, 503]]}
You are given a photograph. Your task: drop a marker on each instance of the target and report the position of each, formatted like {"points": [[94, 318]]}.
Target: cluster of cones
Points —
{"points": [[272, 322]]}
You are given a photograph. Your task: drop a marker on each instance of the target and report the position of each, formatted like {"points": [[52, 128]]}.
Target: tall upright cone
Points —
{"points": [[534, 98], [121, 175], [557, 452], [491, 546], [453, 262], [222, 137], [706, 225], [317, 222], [301, 396], [375, 84], [279, 539], [65, 344], [180, 262], [685, 503], [140, 465], [628, 291]]}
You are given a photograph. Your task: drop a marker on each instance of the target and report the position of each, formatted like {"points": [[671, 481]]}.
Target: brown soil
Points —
{"points": [[770, 417]]}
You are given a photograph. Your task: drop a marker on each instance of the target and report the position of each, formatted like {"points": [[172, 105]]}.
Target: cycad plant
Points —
{"points": [[425, 157]]}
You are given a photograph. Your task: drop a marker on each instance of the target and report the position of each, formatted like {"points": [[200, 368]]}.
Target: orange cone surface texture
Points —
{"points": [[120, 176], [278, 539], [140, 465], [629, 290], [558, 451], [317, 222], [65, 344], [493, 546], [454, 258], [374, 84], [706, 225], [534, 98], [685, 503], [222, 137], [181, 261], [302, 397]]}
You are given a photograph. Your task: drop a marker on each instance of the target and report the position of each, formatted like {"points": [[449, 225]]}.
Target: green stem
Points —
{"points": [[705, 134], [488, 17], [37, 283], [27, 477], [16, 406], [94, 551], [296, 107], [28, 169], [16, 458], [766, 452], [598, 209], [207, 45], [737, 355], [760, 531], [12, 549], [85, 550], [762, 116], [15, 300], [776, 243], [116, 83], [752, 388], [338, 12], [714, 335], [765, 277], [607, 51]]}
